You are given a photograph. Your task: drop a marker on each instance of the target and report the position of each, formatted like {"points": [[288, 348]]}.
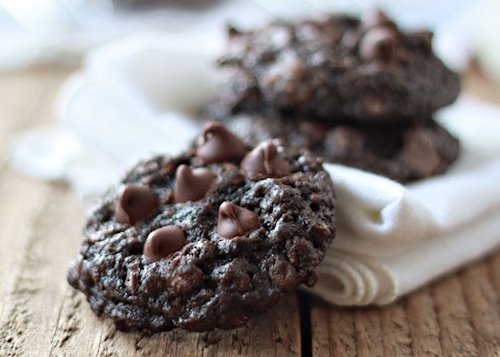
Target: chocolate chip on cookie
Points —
{"points": [[265, 160], [235, 221], [201, 241], [135, 202], [217, 144], [164, 241], [192, 184]]}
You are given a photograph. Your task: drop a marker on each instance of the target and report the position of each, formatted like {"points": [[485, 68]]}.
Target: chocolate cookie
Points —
{"points": [[206, 239], [399, 151], [339, 69]]}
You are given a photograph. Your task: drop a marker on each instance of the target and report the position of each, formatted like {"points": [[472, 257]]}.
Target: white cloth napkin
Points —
{"points": [[134, 98]]}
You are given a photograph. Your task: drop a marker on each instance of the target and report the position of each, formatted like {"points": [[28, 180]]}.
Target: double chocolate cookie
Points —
{"points": [[206, 239], [335, 70], [402, 152], [358, 92]]}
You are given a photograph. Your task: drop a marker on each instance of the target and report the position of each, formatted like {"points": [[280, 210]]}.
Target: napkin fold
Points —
{"points": [[135, 98], [364, 267]]}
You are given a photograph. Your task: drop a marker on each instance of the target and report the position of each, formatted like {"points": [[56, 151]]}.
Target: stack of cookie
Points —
{"points": [[359, 92], [218, 234]]}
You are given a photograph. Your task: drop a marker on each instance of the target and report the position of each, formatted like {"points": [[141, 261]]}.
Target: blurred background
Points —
{"points": [[60, 32], [137, 67]]}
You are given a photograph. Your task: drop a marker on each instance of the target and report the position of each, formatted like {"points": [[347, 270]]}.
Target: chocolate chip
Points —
{"points": [[135, 203], [217, 144], [164, 241], [265, 160], [423, 39], [235, 221], [378, 44], [192, 184]]}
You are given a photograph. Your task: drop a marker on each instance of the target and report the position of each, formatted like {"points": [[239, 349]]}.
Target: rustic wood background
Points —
{"points": [[41, 315]]}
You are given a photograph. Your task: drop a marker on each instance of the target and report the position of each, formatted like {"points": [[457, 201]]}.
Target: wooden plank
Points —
{"points": [[333, 331], [24, 99], [455, 324], [368, 332], [395, 331], [75, 327], [274, 333], [339, 331], [458, 316], [17, 213], [320, 331], [423, 324], [31, 305], [482, 304]]}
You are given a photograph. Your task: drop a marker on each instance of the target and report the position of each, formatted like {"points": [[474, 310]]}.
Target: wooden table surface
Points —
{"points": [[41, 315]]}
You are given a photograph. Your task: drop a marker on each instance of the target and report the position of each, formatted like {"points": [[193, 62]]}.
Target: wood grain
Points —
{"points": [[423, 324], [482, 302], [333, 331], [457, 316], [275, 333], [40, 315]]}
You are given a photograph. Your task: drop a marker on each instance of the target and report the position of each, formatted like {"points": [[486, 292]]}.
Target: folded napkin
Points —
{"points": [[135, 98]]}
